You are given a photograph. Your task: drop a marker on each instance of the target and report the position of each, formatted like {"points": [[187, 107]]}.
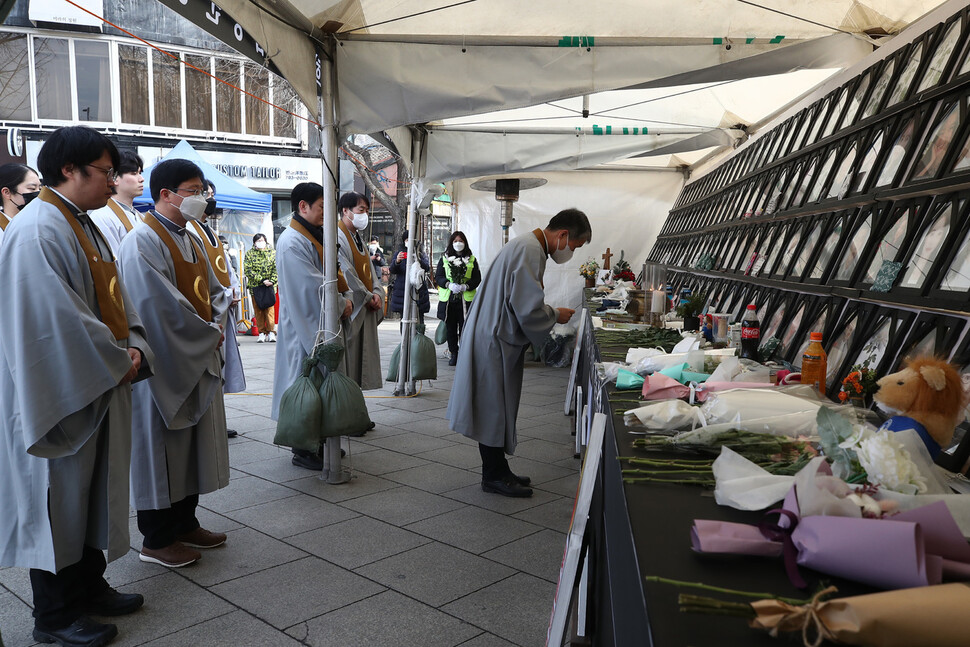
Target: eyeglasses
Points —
{"points": [[109, 172], [189, 191]]}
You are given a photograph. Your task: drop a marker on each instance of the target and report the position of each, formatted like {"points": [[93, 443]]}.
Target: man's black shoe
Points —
{"points": [[308, 461], [454, 360], [231, 433], [84, 632], [507, 486], [521, 480], [113, 603]]}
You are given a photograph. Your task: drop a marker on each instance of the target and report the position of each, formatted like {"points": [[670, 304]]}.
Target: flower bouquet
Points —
{"points": [[859, 385], [622, 271], [590, 269]]}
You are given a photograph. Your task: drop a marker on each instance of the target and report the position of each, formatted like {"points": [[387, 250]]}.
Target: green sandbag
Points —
{"points": [[441, 333], [301, 412], [344, 409], [424, 364], [394, 366]]}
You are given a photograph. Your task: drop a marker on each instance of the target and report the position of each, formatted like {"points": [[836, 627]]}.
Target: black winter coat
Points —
{"points": [[398, 269]]}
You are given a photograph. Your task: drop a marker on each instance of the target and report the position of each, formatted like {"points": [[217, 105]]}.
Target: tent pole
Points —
{"points": [[405, 386], [332, 471]]}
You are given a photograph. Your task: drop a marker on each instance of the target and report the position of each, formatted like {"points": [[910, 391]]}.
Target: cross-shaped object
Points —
{"points": [[606, 259]]}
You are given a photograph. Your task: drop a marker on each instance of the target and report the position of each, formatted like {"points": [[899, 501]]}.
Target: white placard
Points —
{"points": [[573, 370], [577, 529], [65, 13]]}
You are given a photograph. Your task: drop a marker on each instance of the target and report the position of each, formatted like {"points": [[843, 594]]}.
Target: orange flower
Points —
{"points": [[843, 396], [858, 388]]}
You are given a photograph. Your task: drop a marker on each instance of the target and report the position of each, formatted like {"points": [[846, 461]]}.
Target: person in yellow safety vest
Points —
{"points": [[458, 275]]}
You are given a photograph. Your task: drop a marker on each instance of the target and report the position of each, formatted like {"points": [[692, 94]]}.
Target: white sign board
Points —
{"points": [[65, 13], [258, 172], [574, 369]]}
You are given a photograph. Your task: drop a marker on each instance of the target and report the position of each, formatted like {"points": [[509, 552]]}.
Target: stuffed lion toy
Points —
{"points": [[928, 396]]}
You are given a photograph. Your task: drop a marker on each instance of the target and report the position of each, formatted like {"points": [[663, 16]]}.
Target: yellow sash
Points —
{"points": [[217, 258], [362, 262], [299, 228], [120, 212], [4, 221], [103, 272], [191, 278]]}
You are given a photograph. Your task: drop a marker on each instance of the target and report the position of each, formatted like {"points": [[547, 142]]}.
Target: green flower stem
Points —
{"points": [[718, 589], [713, 606], [645, 479], [679, 471]]}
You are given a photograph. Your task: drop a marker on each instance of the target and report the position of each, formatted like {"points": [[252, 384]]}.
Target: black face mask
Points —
{"points": [[210, 206], [28, 197]]}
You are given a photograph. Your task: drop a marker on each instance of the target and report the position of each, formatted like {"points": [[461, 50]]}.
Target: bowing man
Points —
{"points": [[71, 345], [179, 445]]}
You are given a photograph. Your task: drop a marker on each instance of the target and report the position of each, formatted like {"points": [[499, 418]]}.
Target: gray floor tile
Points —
{"points": [[356, 542], [417, 573], [566, 486], [537, 470], [487, 640], [291, 516], [129, 570], [245, 551], [555, 514], [426, 401], [402, 622], [394, 417], [278, 470], [539, 554], [16, 623], [429, 426], [411, 443], [473, 495], [435, 477], [243, 493], [359, 485], [545, 451], [474, 529], [251, 451], [292, 593], [382, 461], [402, 505], [172, 603], [460, 455], [17, 581], [509, 609], [237, 629]]}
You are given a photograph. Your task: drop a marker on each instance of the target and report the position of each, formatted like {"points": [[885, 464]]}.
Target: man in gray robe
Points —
{"points": [[71, 345], [119, 216], [507, 315], [363, 351], [179, 446], [299, 268]]}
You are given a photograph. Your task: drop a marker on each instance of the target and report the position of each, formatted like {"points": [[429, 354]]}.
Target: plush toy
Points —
{"points": [[928, 396]]}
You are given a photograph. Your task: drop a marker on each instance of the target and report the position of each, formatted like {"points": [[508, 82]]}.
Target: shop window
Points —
{"points": [[957, 278], [937, 145], [897, 154], [940, 57], [257, 112], [888, 248], [822, 178], [853, 250], [811, 240], [93, 73], [843, 175], [133, 70], [168, 90], [906, 76], [198, 92], [925, 253], [865, 166], [879, 89], [52, 67], [14, 77], [228, 106]]}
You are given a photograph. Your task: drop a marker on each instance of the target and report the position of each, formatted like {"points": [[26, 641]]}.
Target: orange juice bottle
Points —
{"points": [[814, 363]]}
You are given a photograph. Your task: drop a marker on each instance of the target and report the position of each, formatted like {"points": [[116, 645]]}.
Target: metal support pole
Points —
{"points": [[405, 385], [332, 470]]}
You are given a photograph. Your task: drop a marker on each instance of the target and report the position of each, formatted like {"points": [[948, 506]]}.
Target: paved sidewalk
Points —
{"points": [[410, 553]]}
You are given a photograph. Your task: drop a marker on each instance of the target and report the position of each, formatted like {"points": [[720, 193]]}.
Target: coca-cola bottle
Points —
{"points": [[750, 334]]}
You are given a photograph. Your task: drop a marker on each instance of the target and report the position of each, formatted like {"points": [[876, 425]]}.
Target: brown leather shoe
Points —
{"points": [[202, 538], [175, 555]]}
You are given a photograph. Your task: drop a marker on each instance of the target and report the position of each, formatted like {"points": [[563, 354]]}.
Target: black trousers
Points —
{"points": [[454, 321], [162, 527], [495, 466], [58, 596]]}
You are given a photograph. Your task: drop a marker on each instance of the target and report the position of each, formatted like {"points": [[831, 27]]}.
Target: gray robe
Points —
{"points": [[111, 227], [362, 359], [300, 277], [65, 432], [179, 444], [507, 315]]}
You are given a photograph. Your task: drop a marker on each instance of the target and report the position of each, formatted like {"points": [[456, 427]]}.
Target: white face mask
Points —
{"points": [[260, 245], [360, 220], [459, 246], [373, 248], [193, 207], [561, 256]]}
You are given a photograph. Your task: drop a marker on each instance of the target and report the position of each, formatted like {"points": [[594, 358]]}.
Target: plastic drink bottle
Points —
{"points": [[750, 334], [814, 363]]}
